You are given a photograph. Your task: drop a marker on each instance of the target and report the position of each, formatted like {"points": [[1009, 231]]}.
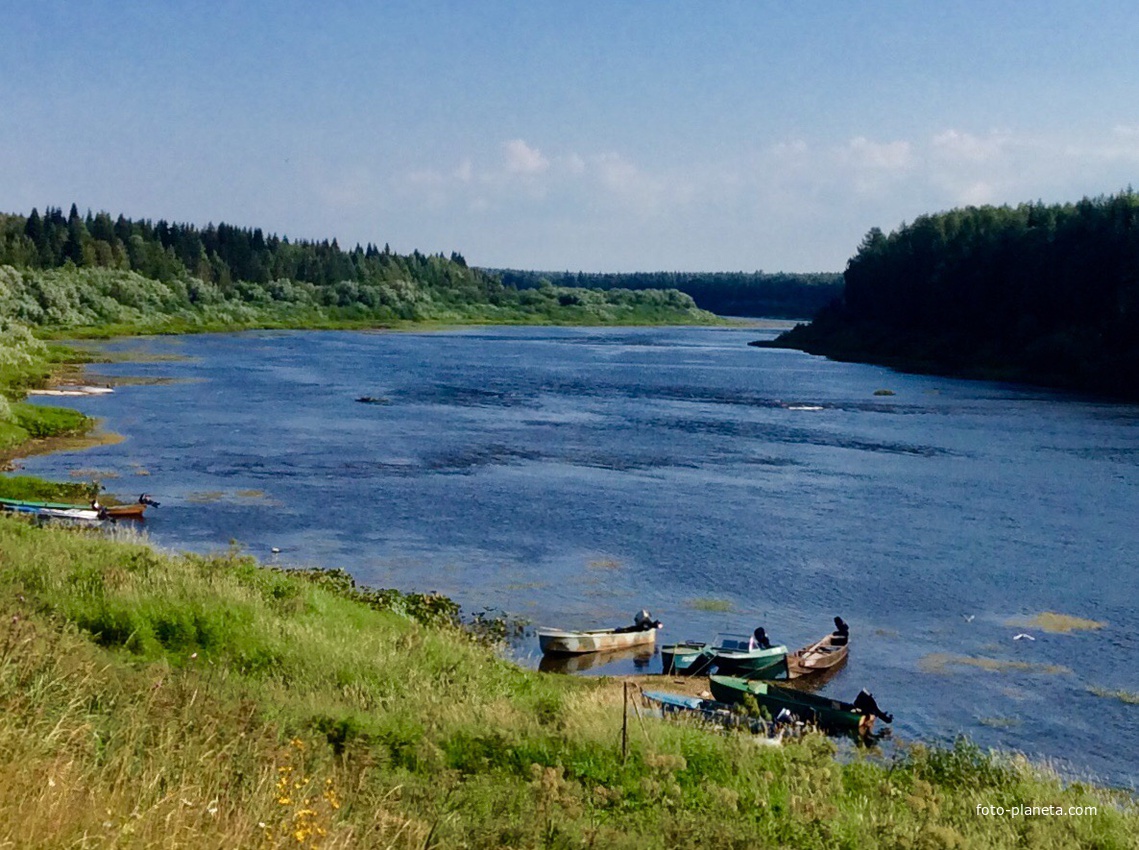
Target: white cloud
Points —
{"points": [[883, 156], [954, 144], [523, 159]]}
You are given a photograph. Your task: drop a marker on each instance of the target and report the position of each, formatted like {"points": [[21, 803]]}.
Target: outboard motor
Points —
{"points": [[866, 704], [145, 499], [644, 621]]}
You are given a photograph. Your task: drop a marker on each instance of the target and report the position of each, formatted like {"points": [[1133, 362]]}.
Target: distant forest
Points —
{"points": [[74, 270], [777, 295], [1046, 294]]}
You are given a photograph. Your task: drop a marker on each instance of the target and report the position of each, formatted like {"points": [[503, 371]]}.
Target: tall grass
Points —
{"points": [[154, 700]]}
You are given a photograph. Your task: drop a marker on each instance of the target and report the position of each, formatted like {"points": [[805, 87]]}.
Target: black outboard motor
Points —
{"points": [[145, 499], [642, 622], [866, 704]]}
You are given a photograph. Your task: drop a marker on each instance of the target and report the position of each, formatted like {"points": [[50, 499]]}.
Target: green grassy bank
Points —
{"points": [[156, 700]]}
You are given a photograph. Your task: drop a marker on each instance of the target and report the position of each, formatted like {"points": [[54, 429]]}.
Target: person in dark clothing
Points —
{"points": [[761, 639], [841, 633]]}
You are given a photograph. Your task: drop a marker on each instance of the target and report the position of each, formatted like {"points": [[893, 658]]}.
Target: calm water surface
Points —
{"points": [[573, 476]]}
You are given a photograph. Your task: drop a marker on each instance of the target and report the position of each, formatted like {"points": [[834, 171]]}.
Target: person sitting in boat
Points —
{"points": [[841, 634], [760, 640]]}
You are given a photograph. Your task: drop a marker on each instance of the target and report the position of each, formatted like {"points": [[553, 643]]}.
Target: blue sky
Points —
{"points": [[596, 136]]}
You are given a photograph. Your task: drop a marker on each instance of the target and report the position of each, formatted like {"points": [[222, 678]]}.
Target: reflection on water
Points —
{"points": [[507, 464], [640, 657]]}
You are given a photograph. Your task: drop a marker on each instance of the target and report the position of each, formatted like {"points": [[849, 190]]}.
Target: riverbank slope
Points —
{"points": [[155, 700]]}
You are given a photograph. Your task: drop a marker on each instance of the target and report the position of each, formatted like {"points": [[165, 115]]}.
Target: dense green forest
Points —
{"points": [[81, 271], [779, 295], [1042, 293]]}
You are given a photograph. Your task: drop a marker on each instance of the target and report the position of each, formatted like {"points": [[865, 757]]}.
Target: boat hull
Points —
{"points": [[685, 659], [559, 642], [828, 714], [72, 514], [134, 511], [817, 658], [754, 664]]}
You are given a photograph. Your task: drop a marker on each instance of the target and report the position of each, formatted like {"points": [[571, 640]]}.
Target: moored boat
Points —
{"points": [[560, 641], [729, 654], [739, 655], [563, 642], [130, 511], [818, 657], [710, 711], [828, 714], [47, 511], [685, 658]]}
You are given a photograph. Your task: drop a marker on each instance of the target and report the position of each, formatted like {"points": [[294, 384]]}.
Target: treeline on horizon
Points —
{"points": [[78, 270], [1042, 293], [784, 295]]}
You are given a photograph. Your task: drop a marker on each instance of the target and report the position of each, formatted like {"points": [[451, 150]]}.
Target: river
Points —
{"points": [[573, 476]]}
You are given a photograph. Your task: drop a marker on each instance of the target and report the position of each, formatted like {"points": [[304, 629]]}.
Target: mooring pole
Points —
{"points": [[624, 722]]}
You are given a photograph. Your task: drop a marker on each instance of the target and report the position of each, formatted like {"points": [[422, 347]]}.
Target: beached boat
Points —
{"points": [[828, 714], [818, 657], [729, 655], [130, 511], [688, 658], [49, 511], [134, 511], [562, 642], [709, 711]]}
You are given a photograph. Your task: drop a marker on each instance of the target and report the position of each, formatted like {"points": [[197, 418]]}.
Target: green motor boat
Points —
{"points": [[828, 714], [739, 655], [730, 654]]}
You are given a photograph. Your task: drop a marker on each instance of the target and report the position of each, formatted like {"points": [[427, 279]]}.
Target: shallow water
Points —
{"points": [[573, 476]]}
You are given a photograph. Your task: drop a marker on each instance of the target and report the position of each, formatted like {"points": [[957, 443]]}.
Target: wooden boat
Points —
{"points": [[818, 657], [561, 642], [831, 715], [134, 511]]}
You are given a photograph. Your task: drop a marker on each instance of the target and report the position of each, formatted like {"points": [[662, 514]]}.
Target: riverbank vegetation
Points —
{"points": [[27, 362], [781, 295], [94, 275], [154, 700], [1042, 293]]}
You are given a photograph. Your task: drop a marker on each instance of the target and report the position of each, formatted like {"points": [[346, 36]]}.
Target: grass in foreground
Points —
{"points": [[149, 700]]}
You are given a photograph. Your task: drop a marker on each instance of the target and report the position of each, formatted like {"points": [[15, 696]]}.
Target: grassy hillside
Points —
{"points": [[151, 700]]}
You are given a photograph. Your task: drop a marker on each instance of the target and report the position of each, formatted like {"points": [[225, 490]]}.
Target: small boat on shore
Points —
{"points": [[729, 654], [689, 658], [562, 642], [706, 710], [53, 509], [830, 715]]}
